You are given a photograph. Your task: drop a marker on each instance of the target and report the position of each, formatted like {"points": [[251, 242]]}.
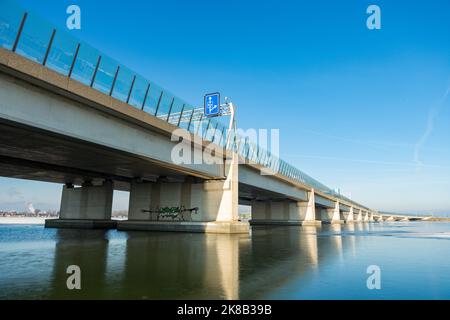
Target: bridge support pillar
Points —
{"points": [[350, 217], [310, 215], [140, 199], [86, 207], [285, 212], [366, 217], [216, 202], [359, 216], [333, 215]]}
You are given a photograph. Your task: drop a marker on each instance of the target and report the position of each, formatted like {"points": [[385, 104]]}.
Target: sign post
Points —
{"points": [[213, 108]]}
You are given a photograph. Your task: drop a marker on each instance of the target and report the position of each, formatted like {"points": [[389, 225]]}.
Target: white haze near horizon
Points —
{"points": [[19, 194]]}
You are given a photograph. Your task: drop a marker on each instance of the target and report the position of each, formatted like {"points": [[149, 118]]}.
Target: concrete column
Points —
{"points": [[285, 212], [260, 211], [334, 214], [350, 217], [216, 200], [87, 202], [391, 218], [359, 216], [304, 213], [277, 212], [85, 207], [366, 217], [371, 219], [140, 199], [311, 207]]}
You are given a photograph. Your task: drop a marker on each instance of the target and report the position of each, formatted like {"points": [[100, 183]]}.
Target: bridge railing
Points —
{"points": [[27, 35]]}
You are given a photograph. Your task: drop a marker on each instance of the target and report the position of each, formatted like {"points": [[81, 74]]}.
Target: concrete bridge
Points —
{"points": [[61, 121], [388, 216]]}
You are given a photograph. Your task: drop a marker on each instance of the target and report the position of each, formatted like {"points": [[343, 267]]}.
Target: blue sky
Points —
{"points": [[363, 110]]}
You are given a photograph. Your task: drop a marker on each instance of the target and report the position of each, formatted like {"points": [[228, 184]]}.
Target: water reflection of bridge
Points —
{"points": [[136, 265]]}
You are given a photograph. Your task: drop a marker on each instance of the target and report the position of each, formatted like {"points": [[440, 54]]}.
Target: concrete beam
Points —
{"points": [[344, 207], [321, 201], [252, 177], [41, 109]]}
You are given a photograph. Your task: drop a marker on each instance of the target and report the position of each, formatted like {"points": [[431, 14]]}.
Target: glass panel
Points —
{"points": [[233, 140], [252, 152], [209, 134], [239, 145], [10, 17], [216, 134], [185, 119], [185, 116], [206, 126], [62, 53], [164, 106], [123, 84], [34, 39], [138, 94], [221, 136], [85, 64], [105, 75], [175, 112], [152, 98]]}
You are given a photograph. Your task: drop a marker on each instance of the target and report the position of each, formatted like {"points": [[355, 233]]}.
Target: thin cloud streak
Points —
{"points": [[433, 113], [409, 164]]}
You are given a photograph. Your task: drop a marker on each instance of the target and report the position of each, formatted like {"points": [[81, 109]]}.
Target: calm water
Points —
{"points": [[271, 263]]}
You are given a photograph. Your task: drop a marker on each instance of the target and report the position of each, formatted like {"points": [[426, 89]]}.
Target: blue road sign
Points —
{"points": [[212, 105]]}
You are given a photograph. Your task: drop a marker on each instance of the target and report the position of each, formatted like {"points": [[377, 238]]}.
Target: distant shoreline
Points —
{"points": [[41, 220], [34, 220], [22, 220]]}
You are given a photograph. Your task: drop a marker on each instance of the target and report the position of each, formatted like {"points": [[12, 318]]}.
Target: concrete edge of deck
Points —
{"points": [[197, 227], [284, 223], [80, 224]]}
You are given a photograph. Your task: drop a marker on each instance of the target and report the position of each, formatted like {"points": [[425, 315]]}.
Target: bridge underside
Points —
{"points": [[57, 130], [33, 154], [248, 193]]}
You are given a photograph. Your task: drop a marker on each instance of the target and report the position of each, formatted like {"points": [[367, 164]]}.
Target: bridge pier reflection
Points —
{"points": [[160, 265], [89, 252]]}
